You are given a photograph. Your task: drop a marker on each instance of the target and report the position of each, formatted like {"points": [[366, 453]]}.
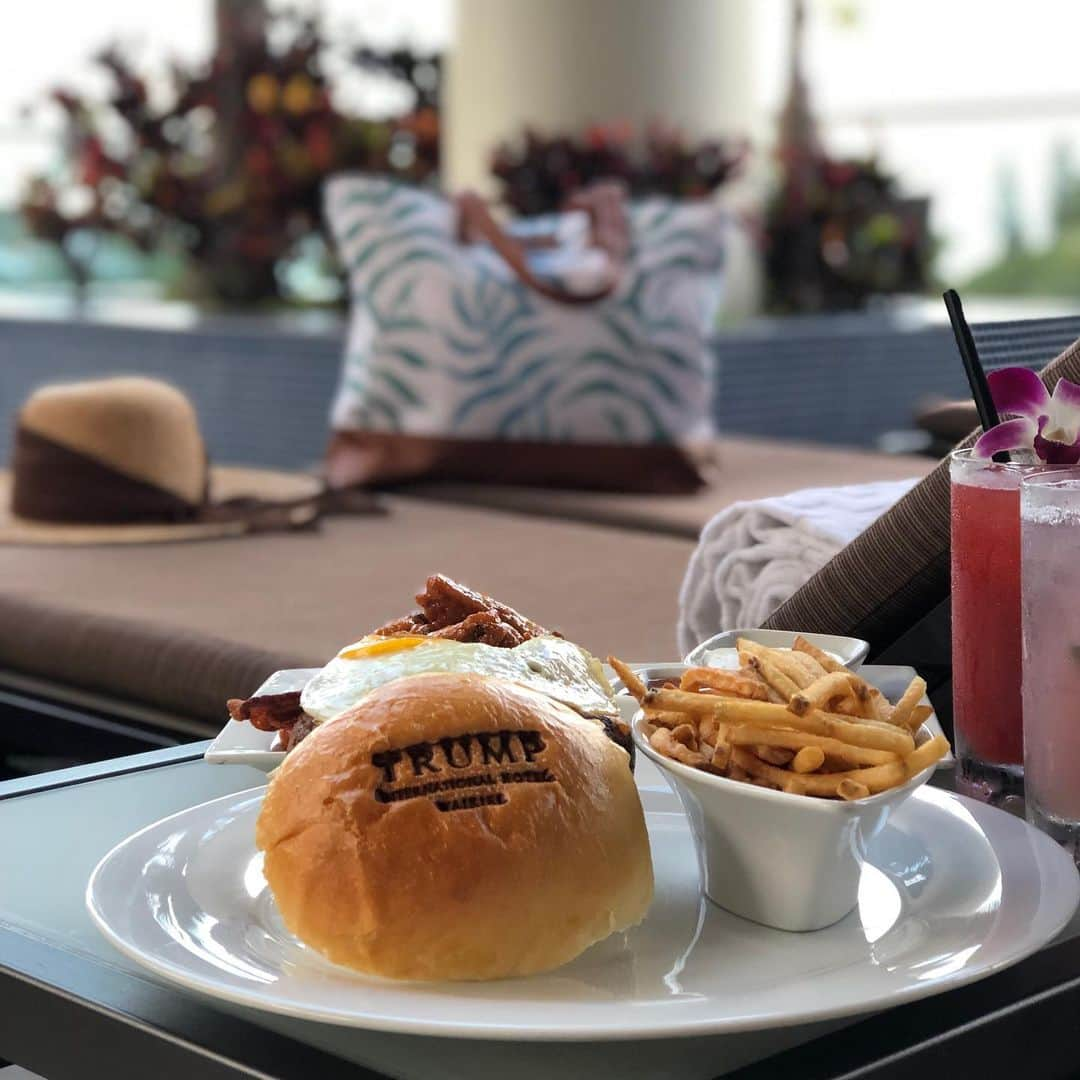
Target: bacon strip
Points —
{"points": [[268, 712], [451, 610], [416, 623], [484, 627], [446, 602]]}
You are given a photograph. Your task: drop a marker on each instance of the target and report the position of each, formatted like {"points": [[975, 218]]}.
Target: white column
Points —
{"points": [[560, 64]]}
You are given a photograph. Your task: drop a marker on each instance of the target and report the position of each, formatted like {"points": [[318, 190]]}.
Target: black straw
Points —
{"points": [[976, 377]]}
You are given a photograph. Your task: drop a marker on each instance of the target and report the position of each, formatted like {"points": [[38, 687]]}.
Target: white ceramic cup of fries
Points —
{"points": [[787, 769]]}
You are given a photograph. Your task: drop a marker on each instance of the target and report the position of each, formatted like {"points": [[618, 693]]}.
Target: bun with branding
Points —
{"points": [[456, 826]]}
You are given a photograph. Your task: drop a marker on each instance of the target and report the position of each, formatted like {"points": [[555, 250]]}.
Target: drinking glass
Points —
{"points": [[1050, 540], [987, 709]]}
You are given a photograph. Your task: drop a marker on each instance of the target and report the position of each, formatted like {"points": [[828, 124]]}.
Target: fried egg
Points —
{"points": [[551, 665]]}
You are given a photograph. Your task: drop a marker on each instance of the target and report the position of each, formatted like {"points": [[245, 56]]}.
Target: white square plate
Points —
{"points": [[242, 743]]}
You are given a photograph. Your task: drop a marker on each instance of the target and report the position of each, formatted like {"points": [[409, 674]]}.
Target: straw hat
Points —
{"points": [[122, 461]]}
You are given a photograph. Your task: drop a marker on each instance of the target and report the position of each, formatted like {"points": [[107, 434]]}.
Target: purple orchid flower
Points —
{"points": [[1047, 423]]}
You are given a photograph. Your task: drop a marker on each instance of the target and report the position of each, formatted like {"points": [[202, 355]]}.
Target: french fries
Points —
{"points": [[727, 682], [828, 664], [685, 734], [628, 676], [760, 659], [808, 759], [832, 687], [919, 715], [905, 707], [725, 709], [852, 789], [812, 668], [876, 778], [720, 758], [666, 718], [663, 741], [709, 729], [880, 709], [746, 735], [770, 752], [795, 721], [788, 663], [870, 734]]}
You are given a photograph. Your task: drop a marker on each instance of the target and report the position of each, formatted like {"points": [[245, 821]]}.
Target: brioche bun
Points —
{"points": [[456, 827]]}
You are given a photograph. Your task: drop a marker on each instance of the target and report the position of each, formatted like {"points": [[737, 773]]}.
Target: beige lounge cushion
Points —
{"points": [[182, 627], [748, 469]]}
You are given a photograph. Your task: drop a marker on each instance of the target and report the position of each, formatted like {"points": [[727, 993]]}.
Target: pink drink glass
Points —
{"points": [[987, 710], [1050, 560]]}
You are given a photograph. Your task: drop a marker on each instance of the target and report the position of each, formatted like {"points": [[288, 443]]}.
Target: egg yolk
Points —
{"points": [[380, 646]]}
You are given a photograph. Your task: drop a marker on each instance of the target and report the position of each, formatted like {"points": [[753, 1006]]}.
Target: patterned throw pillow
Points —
{"points": [[455, 368]]}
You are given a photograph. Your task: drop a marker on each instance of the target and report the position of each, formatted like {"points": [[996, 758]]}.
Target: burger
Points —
{"points": [[456, 825]]}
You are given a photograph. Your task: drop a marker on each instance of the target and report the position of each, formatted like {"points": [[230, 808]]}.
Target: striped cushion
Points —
{"points": [[445, 342]]}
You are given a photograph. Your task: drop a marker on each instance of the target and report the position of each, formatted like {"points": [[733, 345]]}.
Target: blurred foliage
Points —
{"points": [[227, 170], [837, 232], [537, 173], [221, 174], [1053, 270]]}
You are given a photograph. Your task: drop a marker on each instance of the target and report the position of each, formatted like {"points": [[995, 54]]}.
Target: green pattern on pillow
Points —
{"points": [[445, 341]]}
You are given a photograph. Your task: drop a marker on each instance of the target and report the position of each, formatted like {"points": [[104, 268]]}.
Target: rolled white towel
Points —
{"points": [[753, 555]]}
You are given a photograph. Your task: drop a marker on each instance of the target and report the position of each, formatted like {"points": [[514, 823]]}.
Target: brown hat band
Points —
{"points": [[54, 483]]}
